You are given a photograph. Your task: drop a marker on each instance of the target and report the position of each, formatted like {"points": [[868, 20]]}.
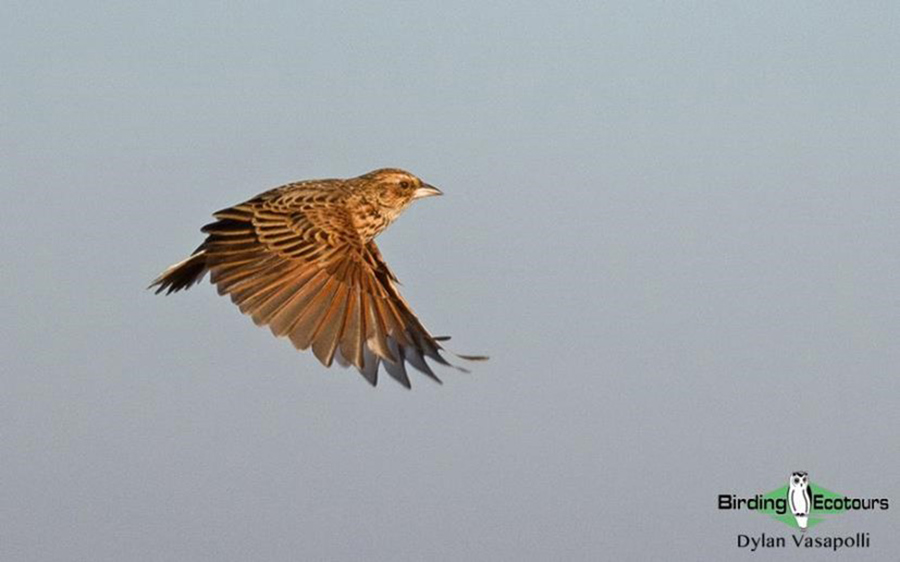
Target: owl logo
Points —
{"points": [[800, 498]]}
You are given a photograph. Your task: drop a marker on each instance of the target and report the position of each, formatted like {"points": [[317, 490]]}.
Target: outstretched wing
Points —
{"points": [[295, 262]]}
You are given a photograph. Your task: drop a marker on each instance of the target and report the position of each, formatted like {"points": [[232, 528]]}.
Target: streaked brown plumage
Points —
{"points": [[301, 259]]}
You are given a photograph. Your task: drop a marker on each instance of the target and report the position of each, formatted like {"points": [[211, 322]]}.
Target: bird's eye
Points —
{"points": [[404, 184]]}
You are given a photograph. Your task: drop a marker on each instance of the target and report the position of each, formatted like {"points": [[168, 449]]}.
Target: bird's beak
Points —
{"points": [[426, 191]]}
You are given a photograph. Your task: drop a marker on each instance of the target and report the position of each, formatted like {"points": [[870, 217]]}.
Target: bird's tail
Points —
{"points": [[183, 274]]}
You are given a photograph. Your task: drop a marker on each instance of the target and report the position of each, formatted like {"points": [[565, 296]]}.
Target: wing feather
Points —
{"points": [[397, 369], [328, 335], [353, 336], [307, 321], [279, 308]]}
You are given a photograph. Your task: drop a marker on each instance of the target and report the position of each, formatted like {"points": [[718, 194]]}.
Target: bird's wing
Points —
{"points": [[298, 266]]}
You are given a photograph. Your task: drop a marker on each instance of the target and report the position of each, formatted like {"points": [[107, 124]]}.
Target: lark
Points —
{"points": [[302, 260]]}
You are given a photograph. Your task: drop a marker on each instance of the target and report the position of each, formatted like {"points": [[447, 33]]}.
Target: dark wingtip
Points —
{"points": [[403, 380], [372, 380], [160, 286]]}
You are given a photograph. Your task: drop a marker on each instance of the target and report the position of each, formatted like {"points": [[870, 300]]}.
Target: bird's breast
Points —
{"points": [[369, 220]]}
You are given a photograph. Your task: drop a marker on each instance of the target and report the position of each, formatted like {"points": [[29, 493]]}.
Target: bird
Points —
{"points": [[301, 259]]}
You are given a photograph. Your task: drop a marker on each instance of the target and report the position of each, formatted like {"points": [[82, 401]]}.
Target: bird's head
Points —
{"points": [[395, 189]]}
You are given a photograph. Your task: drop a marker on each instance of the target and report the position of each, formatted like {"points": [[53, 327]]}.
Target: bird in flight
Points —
{"points": [[301, 259]]}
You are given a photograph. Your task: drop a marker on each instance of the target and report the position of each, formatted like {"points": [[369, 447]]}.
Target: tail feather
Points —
{"points": [[182, 275]]}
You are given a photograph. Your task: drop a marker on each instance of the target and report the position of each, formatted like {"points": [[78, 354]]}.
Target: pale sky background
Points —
{"points": [[673, 226]]}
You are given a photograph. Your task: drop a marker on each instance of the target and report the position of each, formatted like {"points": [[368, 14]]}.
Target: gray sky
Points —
{"points": [[673, 227]]}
